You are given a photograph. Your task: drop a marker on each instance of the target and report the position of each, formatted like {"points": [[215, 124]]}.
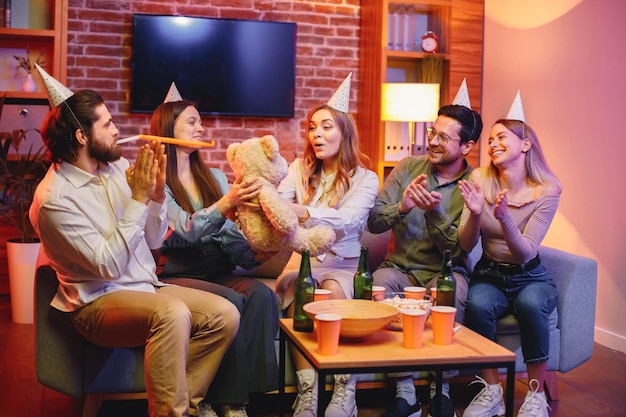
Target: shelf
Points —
{"points": [[26, 34], [39, 95], [409, 55], [422, 7]]}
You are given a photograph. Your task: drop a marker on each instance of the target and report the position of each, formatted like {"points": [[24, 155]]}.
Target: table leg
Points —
{"points": [[438, 390], [322, 400], [281, 372], [510, 389]]}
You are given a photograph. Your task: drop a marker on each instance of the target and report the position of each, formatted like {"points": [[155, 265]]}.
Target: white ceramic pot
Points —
{"points": [[22, 259]]}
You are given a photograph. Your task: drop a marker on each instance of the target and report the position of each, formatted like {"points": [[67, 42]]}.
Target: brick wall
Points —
{"points": [[99, 54]]}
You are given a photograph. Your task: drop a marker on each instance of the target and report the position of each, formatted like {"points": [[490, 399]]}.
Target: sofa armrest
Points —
{"points": [[59, 347], [575, 277]]}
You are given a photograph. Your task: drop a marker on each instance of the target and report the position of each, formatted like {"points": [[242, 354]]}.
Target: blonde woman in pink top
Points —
{"points": [[509, 206]]}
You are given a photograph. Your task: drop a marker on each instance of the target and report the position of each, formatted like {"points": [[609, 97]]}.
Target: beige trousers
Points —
{"points": [[185, 332]]}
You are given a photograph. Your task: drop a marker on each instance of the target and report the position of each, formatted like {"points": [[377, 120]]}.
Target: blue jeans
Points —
{"points": [[530, 296]]}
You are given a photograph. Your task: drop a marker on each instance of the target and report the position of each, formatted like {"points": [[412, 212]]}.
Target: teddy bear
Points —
{"points": [[272, 225]]}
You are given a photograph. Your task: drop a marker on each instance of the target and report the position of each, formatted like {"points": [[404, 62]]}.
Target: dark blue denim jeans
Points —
{"points": [[530, 296]]}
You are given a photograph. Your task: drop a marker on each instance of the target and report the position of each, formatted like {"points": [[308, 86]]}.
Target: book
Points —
{"points": [[7, 14]]}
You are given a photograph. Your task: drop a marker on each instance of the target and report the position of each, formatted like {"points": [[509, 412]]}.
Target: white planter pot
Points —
{"points": [[22, 259]]}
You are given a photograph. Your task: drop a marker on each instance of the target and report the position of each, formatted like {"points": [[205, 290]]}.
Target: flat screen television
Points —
{"points": [[226, 67]]}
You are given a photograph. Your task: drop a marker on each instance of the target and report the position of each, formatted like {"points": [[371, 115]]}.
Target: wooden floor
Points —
{"points": [[597, 388]]}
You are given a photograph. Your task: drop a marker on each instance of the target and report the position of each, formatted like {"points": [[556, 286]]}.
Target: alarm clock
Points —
{"points": [[429, 42]]}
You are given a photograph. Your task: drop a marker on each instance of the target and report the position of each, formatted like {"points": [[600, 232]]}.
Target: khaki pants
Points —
{"points": [[185, 332]]}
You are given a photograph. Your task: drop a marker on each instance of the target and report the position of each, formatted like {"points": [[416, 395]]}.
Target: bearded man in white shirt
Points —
{"points": [[98, 217]]}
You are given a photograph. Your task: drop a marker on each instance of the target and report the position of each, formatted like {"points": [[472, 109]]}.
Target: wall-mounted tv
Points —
{"points": [[227, 67]]}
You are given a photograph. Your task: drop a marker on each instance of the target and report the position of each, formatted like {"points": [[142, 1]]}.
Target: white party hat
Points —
{"points": [[57, 92], [173, 94], [341, 99], [516, 112], [462, 96]]}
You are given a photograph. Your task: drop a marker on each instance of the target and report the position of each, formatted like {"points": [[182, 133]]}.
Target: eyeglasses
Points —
{"points": [[431, 134]]}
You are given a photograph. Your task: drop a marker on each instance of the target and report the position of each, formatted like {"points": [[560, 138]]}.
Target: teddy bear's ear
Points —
{"points": [[270, 146], [231, 151]]}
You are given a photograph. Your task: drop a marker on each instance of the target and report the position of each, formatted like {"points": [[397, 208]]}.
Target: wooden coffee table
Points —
{"points": [[383, 352]]}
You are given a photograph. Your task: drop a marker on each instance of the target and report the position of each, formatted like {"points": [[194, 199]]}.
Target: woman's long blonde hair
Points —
{"points": [[350, 157], [537, 170]]}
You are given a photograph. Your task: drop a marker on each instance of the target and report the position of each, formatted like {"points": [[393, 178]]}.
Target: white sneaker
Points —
{"points": [[206, 410], [487, 403], [343, 402], [535, 403], [305, 404], [234, 410]]}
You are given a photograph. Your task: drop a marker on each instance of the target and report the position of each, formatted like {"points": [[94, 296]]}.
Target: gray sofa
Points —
{"points": [[67, 363]]}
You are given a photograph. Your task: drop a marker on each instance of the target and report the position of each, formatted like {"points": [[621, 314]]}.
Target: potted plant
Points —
{"points": [[19, 176]]}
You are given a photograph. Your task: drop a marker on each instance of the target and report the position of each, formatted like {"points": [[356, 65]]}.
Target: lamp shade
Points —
{"points": [[409, 102]]}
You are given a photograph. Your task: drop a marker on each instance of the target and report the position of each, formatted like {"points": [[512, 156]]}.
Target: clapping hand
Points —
{"points": [[416, 195], [142, 175], [161, 160], [501, 207], [472, 195]]}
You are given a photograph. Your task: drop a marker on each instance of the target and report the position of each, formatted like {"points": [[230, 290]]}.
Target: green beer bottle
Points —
{"points": [[304, 291], [363, 278], [446, 285]]}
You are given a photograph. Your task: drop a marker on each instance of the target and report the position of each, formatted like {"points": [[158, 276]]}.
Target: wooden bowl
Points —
{"points": [[360, 318]]}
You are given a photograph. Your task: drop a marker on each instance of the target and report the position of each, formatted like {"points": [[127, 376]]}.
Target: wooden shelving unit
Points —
{"points": [[459, 26], [49, 36], [51, 39]]}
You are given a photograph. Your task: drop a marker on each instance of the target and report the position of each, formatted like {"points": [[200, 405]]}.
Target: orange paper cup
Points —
{"points": [[443, 324], [321, 294], [433, 293], [328, 333], [378, 293], [415, 292], [413, 322]]}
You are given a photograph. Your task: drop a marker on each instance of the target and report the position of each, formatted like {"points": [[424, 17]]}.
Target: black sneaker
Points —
{"points": [[446, 407], [399, 407]]}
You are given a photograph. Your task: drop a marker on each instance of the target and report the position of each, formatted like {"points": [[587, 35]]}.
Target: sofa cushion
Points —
{"points": [[103, 365]]}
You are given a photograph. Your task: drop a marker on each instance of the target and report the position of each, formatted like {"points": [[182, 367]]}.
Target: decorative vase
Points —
{"points": [[22, 259], [29, 85]]}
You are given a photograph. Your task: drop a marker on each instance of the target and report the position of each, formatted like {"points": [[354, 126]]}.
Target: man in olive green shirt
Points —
{"points": [[421, 203]]}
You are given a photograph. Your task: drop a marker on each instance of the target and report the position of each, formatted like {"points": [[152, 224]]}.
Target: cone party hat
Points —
{"points": [[516, 112], [341, 99], [173, 94], [462, 96], [57, 92]]}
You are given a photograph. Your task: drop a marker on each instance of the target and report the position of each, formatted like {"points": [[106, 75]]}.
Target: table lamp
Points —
{"points": [[410, 103]]}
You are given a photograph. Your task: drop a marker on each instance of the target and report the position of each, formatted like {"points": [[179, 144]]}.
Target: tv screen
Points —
{"points": [[225, 66]]}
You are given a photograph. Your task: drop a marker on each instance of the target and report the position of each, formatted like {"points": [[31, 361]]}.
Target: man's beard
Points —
{"points": [[103, 154]]}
